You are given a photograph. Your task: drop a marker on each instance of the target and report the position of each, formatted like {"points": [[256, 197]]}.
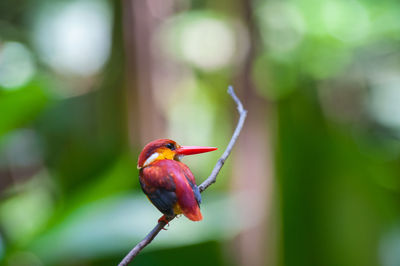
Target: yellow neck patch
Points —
{"points": [[160, 154]]}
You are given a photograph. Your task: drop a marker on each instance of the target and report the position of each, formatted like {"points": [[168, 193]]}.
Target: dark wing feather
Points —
{"points": [[164, 201], [159, 187], [192, 182], [195, 189]]}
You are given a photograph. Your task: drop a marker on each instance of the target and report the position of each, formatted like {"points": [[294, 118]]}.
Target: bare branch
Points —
{"points": [[243, 113], [210, 180]]}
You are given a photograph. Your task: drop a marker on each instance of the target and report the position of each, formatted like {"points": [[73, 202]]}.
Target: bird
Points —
{"points": [[167, 182]]}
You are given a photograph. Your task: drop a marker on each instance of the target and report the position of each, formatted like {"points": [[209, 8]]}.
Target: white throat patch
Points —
{"points": [[151, 159]]}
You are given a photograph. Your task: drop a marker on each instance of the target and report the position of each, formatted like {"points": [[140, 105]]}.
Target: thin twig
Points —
{"points": [[210, 180], [243, 113]]}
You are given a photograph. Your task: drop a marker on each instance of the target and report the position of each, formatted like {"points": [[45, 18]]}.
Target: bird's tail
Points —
{"points": [[194, 214]]}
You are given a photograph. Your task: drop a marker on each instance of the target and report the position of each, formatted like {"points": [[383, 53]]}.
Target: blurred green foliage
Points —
{"points": [[70, 120]]}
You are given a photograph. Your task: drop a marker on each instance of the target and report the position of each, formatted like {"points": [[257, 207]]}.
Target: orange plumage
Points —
{"points": [[168, 183]]}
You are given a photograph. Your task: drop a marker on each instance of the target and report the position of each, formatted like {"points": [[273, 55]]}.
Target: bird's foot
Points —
{"points": [[165, 220]]}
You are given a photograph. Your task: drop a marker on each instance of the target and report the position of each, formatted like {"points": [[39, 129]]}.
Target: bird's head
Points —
{"points": [[167, 149]]}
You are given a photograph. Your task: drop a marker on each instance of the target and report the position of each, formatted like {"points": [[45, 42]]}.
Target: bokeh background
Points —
{"points": [[313, 180]]}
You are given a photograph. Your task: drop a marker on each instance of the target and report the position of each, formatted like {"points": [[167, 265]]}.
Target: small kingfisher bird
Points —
{"points": [[168, 183]]}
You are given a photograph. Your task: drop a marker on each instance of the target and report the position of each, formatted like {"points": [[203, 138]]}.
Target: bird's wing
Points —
{"points": [[159, 186], [187, 191], [192, 182]]}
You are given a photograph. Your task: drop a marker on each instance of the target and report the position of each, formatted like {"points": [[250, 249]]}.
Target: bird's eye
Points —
{"points": [[170, 146]]}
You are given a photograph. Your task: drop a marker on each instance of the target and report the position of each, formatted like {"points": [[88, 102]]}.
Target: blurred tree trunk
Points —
{"points": [[146, 122], [253, 167]]}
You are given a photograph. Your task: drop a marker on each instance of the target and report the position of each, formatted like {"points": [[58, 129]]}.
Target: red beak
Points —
{"points": [[189, 150]]}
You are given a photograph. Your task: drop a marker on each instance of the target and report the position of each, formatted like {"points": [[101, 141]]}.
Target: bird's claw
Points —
{"points": [[165, 220]]}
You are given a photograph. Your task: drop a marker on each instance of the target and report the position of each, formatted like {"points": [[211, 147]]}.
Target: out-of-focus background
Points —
{"points": [[313, 180]]}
